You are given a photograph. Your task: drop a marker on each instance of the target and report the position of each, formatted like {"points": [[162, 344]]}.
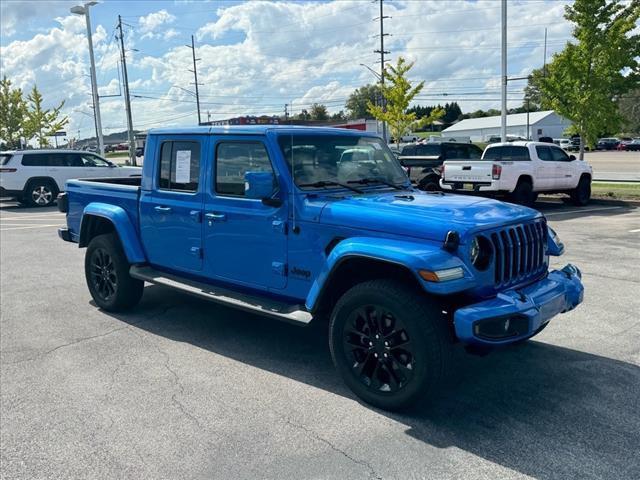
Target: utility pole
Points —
{"points": [[208, 116], [286, 113], [195, 75], [503, 116], [382, 51], [544, 61], [127, 99]]}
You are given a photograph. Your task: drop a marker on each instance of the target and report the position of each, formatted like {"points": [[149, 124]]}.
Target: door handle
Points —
{"points": [[162, 209], [215, 217]]}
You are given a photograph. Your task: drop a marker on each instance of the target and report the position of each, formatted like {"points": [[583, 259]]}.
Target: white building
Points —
{"points": [[541, 124]]}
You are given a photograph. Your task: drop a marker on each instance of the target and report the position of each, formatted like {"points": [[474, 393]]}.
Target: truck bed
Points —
{"points": [[121, 192]]}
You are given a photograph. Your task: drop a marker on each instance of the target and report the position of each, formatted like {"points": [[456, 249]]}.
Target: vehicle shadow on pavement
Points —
{"points": [[541, 410]]}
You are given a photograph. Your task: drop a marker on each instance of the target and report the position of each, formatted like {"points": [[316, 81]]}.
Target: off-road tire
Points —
{"points": [[107, 274], [40, 193], [429, 343], [523, 193], [581, 195]]}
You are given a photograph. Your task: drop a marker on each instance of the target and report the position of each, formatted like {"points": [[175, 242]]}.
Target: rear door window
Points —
{"points": [[179, 166], [35, 160]]}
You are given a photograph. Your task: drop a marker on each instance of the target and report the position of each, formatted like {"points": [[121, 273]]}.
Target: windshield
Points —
{"points": [[326, 160]]}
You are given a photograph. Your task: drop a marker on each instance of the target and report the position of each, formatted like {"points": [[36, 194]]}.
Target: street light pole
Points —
{"points": [[503, 115], [84, 10]]}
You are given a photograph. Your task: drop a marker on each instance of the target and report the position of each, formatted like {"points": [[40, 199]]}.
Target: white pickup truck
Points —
{"points": [[521, 170]]}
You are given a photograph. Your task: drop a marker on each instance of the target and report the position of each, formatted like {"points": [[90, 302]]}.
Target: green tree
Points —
{"points": [[583, 81], [13, 109], [357, 103], [319, 112], [629, 107], [339, 116], [41, 123], [398, 94]]}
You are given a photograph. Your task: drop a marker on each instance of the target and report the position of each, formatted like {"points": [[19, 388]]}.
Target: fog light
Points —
{"points": [[442, 275], [499, 328]]}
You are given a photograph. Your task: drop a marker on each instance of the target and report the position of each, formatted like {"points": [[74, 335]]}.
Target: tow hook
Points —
{"points": [[571, 270]]}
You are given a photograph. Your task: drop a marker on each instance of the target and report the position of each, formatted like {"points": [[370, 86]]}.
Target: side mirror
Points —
{"points": [[572, 157], [258, 185]]}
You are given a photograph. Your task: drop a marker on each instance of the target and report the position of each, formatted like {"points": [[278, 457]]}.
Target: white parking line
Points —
{"points": [[30, 217], [584, 210], [22, 228], [637, 230]]}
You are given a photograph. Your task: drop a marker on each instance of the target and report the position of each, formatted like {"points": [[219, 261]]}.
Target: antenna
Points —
{"points": [[294, 229]]}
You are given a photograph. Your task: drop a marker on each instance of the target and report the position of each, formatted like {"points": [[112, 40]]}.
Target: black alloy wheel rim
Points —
{"points": [[103, 276], [378, 349]]}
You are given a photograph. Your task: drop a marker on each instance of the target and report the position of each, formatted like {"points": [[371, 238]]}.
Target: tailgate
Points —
{"points": [[470, 171]]}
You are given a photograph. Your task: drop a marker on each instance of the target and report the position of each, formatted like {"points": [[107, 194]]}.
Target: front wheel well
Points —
{"points": [[354, 270], [92, 226]]}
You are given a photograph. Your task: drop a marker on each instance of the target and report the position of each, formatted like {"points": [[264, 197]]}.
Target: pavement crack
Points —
{"points": [[92, 337], [316, 436]]}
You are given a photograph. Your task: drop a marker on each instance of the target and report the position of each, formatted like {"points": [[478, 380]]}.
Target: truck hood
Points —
{"points": [[423, 215]]}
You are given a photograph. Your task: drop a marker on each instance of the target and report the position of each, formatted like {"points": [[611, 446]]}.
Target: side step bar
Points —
{"points": [[260, 305]]}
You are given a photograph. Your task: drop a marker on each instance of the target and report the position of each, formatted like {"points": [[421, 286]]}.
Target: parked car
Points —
{"points": [[424, 161], [634, 145], [624, 142], [35, 177], [564, 143], [231, 214], [139, 151], [521, 170], [607, 144], [409, 138], [109, 148]]}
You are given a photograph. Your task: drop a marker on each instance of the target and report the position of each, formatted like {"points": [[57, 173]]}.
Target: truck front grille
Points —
{"points": [[520, 252]]}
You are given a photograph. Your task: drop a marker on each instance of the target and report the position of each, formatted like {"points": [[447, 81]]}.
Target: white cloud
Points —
{"points": [[150, 24]]}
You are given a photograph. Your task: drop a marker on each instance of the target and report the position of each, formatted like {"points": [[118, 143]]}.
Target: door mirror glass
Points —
{"points": [[572, 157], [258, 185]]}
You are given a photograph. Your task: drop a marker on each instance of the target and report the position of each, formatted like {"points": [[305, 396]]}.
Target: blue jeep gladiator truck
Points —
{"points": [[302, 223]]}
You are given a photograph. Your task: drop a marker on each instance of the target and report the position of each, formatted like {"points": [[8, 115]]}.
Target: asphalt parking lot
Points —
{"points": [[180, 388]]}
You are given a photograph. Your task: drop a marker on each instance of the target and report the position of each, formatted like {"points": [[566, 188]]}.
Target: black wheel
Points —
{"points": [[40, 193], [429, 183], [107, 273], [523, 193], [582, 193], [389, 343]]}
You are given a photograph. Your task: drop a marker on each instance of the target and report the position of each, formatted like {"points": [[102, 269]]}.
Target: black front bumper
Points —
{"points": [[65, 234]]}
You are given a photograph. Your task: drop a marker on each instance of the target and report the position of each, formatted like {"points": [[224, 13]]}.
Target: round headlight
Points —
{"points": [[480, 252]]}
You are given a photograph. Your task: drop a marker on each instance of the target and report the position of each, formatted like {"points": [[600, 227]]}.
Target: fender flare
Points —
{"points": [[122, 224], [408, 254]]}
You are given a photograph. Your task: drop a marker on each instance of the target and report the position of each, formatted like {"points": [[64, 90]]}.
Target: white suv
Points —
{"points": [[521, 170], [35, 177]]}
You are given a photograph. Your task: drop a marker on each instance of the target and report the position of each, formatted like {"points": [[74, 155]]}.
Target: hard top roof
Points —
{"points": [[252, 130]]}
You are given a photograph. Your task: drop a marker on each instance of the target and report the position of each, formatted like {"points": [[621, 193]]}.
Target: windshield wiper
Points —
{"points": [[330, 183], [368, 181]]}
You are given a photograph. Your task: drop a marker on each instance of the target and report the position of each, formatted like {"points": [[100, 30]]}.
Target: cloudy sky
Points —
{"points": [[257, 56]]}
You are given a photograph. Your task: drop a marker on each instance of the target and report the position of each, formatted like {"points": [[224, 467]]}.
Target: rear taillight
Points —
{"points": [[496, 171], [8, 170]]}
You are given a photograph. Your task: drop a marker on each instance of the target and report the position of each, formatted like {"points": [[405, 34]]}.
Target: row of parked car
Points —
{"points": [[517, 170], [612, 143]]}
